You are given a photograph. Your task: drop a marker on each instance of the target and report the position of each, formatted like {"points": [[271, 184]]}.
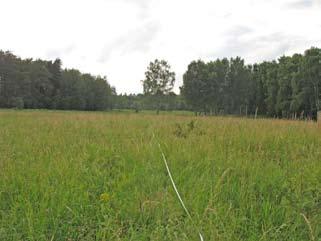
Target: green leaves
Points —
{"points": [[288, 88], [159, 79], [40, 84]]}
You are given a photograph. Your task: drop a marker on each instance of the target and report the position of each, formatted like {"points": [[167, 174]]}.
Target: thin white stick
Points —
{"points": [[309, 225], [177, 193]]}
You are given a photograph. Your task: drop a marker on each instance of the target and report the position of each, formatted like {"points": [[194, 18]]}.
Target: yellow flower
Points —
{"points": [[104, 197]]}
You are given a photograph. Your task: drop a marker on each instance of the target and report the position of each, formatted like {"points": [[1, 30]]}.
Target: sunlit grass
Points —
{"points": [[100, 176]]}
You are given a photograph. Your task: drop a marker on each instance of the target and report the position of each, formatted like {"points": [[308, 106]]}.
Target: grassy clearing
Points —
{"points": [[100, 176]]}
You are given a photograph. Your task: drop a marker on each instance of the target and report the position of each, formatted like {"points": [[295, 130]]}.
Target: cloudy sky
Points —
{"points": [[118, 38]]}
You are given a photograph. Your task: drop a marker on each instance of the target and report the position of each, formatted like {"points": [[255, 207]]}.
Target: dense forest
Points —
{"points": [[286, 88], [27, 83], [147, 102]]}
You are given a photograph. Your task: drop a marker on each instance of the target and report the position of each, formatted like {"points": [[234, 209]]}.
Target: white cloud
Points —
{"points": [[118, 38]]}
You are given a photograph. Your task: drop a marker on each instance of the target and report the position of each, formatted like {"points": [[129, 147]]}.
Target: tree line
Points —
{"points": [[285, 88], [35, 84], [139, 102]]}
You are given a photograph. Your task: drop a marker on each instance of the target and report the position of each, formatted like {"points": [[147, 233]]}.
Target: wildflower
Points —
{"points": [[104, 197]]}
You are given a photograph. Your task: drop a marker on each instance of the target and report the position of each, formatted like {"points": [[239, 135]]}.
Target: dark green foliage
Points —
{"points": [[144, 102], [287, 88], [44, 84], [221, 86], [159, 79], [195, 85], [159, 82]]}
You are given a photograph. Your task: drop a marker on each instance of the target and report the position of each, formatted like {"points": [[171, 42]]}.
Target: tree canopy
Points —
{"points": [[287, 87], [159, 79], [27, 83]]}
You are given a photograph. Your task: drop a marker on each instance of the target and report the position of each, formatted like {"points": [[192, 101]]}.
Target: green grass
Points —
{"points": [[100, 176]]}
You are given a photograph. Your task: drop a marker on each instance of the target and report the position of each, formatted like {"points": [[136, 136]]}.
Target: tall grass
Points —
{"points": [[100, 176]]}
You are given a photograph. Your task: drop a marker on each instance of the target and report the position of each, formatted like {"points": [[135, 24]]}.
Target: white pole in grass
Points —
{"points": [[177, 193]]}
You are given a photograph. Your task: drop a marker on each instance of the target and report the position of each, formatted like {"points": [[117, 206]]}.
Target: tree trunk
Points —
{"points": [[256, 110]]}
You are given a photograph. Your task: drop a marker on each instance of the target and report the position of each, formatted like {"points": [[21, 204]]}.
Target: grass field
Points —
{"points": [[100, 176]]}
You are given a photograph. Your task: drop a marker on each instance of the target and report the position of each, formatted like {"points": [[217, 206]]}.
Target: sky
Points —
{"points": [[118, 38]]}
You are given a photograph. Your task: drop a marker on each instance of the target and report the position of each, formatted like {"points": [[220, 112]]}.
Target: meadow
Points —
{"points": [[101, 176]]}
